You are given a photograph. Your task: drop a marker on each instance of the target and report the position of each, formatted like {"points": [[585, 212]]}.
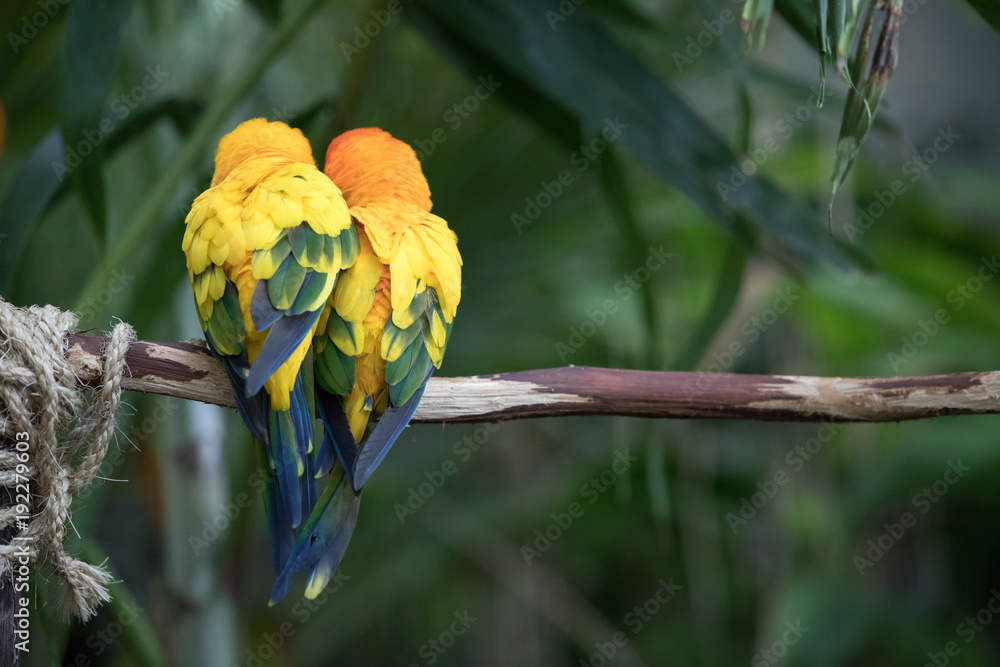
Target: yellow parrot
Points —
{"points": [[383, 332], [321, 293], [265, 244]]}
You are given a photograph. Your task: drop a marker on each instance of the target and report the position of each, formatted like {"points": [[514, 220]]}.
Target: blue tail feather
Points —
{"points": [[290, 496], [327, 457], [322, 541], [249, 407], [282, 340], [338, 441], [282, 535], [301, 419], [284, 460], [388, 429], [336, 535]]}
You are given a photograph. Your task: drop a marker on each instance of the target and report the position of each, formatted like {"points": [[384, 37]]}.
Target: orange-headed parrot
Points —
{"points": [[383, 332], [330, 294]]}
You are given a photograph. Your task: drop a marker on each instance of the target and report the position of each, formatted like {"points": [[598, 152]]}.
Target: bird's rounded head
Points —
{"points": [[260, 138], [369, 164]]}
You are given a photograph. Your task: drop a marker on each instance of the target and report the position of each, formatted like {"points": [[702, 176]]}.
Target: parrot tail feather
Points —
{"points": [[323, 540], [285, 461], [283, 338], [338, 442], [387, 430], [288, 453], [237, 369], [282, 534]]}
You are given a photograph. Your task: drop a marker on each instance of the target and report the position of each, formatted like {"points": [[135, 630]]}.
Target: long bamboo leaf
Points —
{"points": [[27, 197], [93, 35], [37, 187], [579, 66]]}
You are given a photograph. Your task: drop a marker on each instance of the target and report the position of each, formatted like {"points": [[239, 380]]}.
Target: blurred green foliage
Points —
{"points": [[569, 144]]}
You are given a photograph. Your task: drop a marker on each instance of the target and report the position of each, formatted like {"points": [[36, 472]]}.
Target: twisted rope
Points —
{"points": [[53, 443]]}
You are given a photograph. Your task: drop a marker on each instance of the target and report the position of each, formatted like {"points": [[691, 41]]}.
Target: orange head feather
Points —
{"points": [[369, 164], [257, 138]]}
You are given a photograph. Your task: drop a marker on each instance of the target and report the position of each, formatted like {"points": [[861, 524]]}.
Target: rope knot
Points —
{"points": [[52, 443]]}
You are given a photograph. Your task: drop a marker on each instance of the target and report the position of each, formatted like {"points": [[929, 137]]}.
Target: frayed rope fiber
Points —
{"points": [[43, 405]]}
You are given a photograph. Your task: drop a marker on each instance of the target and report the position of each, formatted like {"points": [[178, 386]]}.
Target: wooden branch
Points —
{"points": [[187, 370]]}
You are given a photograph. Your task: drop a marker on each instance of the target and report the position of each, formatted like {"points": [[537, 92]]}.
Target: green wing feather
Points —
{"points": [[412, 353]]}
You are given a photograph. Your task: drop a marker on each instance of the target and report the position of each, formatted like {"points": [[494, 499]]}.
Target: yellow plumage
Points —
{"points": [[265, 184], [346, 268], [404, 251]]}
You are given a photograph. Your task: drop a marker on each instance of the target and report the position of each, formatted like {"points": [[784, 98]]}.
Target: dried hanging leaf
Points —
{"points": [[864, 99]]}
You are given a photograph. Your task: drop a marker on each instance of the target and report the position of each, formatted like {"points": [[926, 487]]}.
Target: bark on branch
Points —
{"points": [[187, 370]]}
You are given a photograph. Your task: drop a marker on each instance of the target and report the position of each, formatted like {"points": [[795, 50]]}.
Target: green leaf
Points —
{"points": [[22, 35], [181, 111], [801, 16], [556, 120], [269, 9], [93, 36], [154, 292], [578, 66], [38, 186], [28, 196], [193, 148], [727, 292], [620, 202], [823, 44], [989, 10], [755, 19], [138, 634]]}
